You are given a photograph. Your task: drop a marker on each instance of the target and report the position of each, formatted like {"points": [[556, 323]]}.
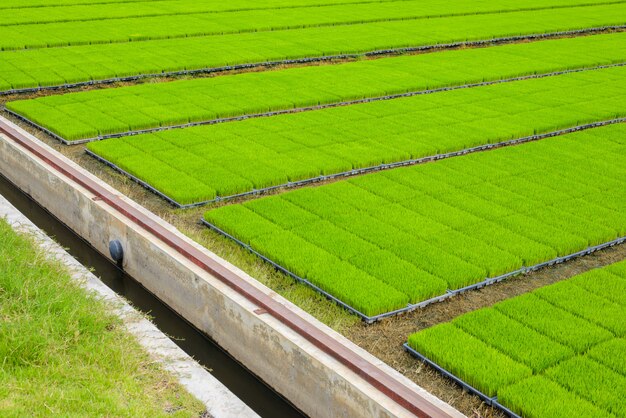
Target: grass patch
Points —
{"points": [[64, 354]]}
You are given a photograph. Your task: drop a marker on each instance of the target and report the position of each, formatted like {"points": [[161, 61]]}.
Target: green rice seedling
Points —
{"points": [[140, 28], [433, 208], [586, 228], [588, 184], [179, 187], [326, 164], [355, 196], [407, 221], [619, 269], [580, 302], [467, 357], [370, 229], [287, 257], [232, 183], [612, 354], [349, 284], [404, 212], [92, 70], [337, 241], [160, 112], [608, 210], [260, 175], [75, 10], [74, 130], [45, 77], [318, 146], [514, 339], [502, 196], [540, 192], [416, 283], [540, 397], [598, 182], [455, 196], [22, 11], [493, 260], [108, 124], [578, 366], [555, 323], [385, 188], [531, 252], [309, 198], [283, 213], [365, 154], [158, 148], [592, 381], [162, 55], [365, 224], [562, 241], [604, 284], [249, 225], [455, 271]]}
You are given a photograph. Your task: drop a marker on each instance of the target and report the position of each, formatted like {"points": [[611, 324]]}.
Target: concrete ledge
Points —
{"points": [[218, 400], [318, 370]]}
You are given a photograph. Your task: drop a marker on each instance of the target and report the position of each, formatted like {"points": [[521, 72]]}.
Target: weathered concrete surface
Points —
{"points": [[312, 380], [219, 401]]}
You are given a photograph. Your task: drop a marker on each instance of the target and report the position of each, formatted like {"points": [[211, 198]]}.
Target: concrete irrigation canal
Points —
{"points": [[261, 330]]}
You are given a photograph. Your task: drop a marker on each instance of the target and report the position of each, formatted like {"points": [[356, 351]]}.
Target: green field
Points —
{"points": [[201, 163], [95, 9], [83, 115], [381, 241], [46, 12], [142, 28], [65, 354], [556, 352], [67, 12], [409, 151], [72, 64], [20, 4]]}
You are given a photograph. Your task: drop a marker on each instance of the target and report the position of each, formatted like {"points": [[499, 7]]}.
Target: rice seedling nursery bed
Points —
{"points": [[66, 12], [162, 105], [38, 35], [555, 352], [539, 209], [386, 240], [41, 67], [47, 12], [202, 163]]}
